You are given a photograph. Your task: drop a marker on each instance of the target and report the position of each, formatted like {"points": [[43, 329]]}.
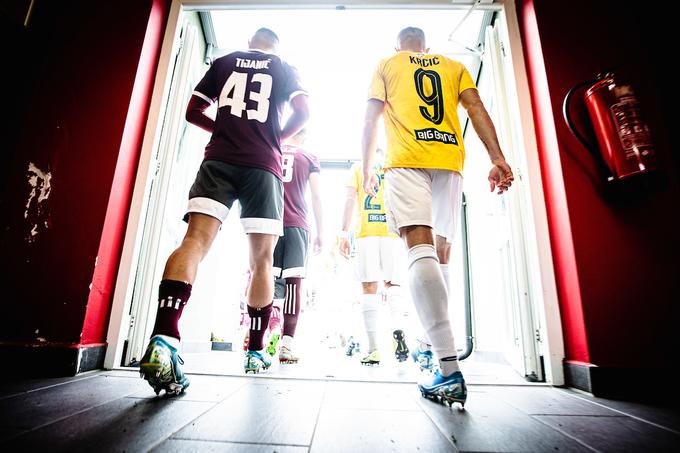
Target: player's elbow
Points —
{"points": [[300, 107], [190, 116], [302, 112]]}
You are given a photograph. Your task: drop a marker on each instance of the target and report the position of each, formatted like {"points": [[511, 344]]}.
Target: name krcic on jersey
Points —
{"points": [[431, 134]]}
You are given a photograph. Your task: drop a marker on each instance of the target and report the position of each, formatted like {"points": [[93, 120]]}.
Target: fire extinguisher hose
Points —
{"points": [[567, 117]]}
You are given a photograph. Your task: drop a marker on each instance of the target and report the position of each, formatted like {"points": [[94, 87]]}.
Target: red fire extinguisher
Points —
{"points": [[623, 137]]}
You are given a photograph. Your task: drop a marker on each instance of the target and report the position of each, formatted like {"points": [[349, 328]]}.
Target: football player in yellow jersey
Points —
{"points": [[418, 93], [379, 257]]}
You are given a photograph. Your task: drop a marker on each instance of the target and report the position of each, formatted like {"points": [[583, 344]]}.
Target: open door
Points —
{"points": [[175, 164], [513, 217]]}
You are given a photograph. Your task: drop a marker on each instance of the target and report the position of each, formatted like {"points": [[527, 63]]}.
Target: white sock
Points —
{"points": [[369, 308], [447, 278], [287, 342], [397, 304], [172, 341], [429, 292], [447, 281]]}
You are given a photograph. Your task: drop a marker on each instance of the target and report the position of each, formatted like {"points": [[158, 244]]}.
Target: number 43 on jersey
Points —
{"points": [[233, 95]]}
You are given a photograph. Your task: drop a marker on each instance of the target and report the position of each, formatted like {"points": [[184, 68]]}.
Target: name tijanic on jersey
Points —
{"points": [[433, 135], [424, 62], [252, 64]]}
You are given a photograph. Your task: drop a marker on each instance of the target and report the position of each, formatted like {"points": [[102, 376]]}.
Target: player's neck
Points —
{"points": [[414, 49]]}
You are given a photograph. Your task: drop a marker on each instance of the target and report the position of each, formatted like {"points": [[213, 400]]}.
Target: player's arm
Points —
{"points": [[315, 188], [196, 114], [500, 175], [369, 142], [350, 202], [298, 118]]}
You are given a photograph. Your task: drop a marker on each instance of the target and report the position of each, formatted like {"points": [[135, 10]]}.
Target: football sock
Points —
{"points": [[259, 320], [173, 295], [369, 309], [397, 304], [429, 290], [291, 305]]}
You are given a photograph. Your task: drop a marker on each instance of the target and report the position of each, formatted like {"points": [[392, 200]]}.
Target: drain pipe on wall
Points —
{"points": [[469, 340]]}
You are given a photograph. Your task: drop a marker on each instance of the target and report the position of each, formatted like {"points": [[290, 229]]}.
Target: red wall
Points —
{"points": [[623, 274], [85, 76]]}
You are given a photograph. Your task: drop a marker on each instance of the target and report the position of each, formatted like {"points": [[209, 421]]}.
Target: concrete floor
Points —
{"points": [[118, 411]]}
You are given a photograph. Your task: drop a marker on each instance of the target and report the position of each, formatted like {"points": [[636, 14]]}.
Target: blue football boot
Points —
{"points": [[445, 389], [352, 347], [160, 366], [424, 358], [256, 362]]}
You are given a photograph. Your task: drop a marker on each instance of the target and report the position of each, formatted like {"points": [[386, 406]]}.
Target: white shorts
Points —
{"points": [[380, 258], [423, 196]]}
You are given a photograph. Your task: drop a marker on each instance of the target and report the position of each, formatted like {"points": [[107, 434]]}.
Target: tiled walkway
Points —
{"points": [[117, 411]]}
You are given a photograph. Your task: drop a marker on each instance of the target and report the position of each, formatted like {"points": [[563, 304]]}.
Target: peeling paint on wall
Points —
{"points": [[36, 213]]}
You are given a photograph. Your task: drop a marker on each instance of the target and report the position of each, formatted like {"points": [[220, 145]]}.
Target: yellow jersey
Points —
{"points": [[371, 221], [420, 92]]}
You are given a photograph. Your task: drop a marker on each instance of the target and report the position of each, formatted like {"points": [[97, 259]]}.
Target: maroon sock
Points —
{"points": [[291, 305], [259, 320], [172, 297]]}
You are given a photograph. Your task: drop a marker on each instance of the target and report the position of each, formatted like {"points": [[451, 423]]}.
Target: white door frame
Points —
{"points": [[119, 320]]}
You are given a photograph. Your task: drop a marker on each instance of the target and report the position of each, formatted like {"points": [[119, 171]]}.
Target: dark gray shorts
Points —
{"points": [[280, 288], [290, 254], [259, 193]]}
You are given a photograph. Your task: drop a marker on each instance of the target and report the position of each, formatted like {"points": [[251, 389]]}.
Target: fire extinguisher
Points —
{"points": [[623, 137]]}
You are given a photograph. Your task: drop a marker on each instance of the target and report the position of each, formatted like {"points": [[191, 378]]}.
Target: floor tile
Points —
{"points": [[359, 395], [190, 446], [615, 434], [14, 387], [203, 388], [30, 410], [351, 430], [661, 415], [268, 412], [490, 424], [546, 401], [126, 424]]}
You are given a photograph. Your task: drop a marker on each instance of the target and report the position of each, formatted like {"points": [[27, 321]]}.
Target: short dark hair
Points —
{"points": [[411, 34], [267, 34]]}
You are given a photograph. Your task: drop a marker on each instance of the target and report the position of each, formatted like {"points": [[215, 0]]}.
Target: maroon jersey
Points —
{"points": [[298, 164], [251, 89]]}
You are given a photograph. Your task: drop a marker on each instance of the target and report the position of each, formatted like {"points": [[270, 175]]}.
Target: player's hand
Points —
{"points": [[318, 245], [500, 176], [344, 247], [371, 184]]}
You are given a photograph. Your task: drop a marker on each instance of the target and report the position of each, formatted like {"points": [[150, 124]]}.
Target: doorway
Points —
{"points": [[336, 51]]}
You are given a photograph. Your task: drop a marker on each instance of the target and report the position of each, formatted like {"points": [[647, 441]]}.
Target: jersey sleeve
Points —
{"points": [[354, 181], [291, 83], [465, 81], [314, 165], [377, 88], [207, 88]]}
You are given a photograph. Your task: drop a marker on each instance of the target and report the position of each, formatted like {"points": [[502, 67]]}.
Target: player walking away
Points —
{"points": [[242, 162], [300, 169], [418, 95], [379, 257]]}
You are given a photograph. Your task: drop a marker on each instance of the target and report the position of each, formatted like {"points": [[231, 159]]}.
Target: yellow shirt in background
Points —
{"points": [[371, 221], [420, 92]]}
